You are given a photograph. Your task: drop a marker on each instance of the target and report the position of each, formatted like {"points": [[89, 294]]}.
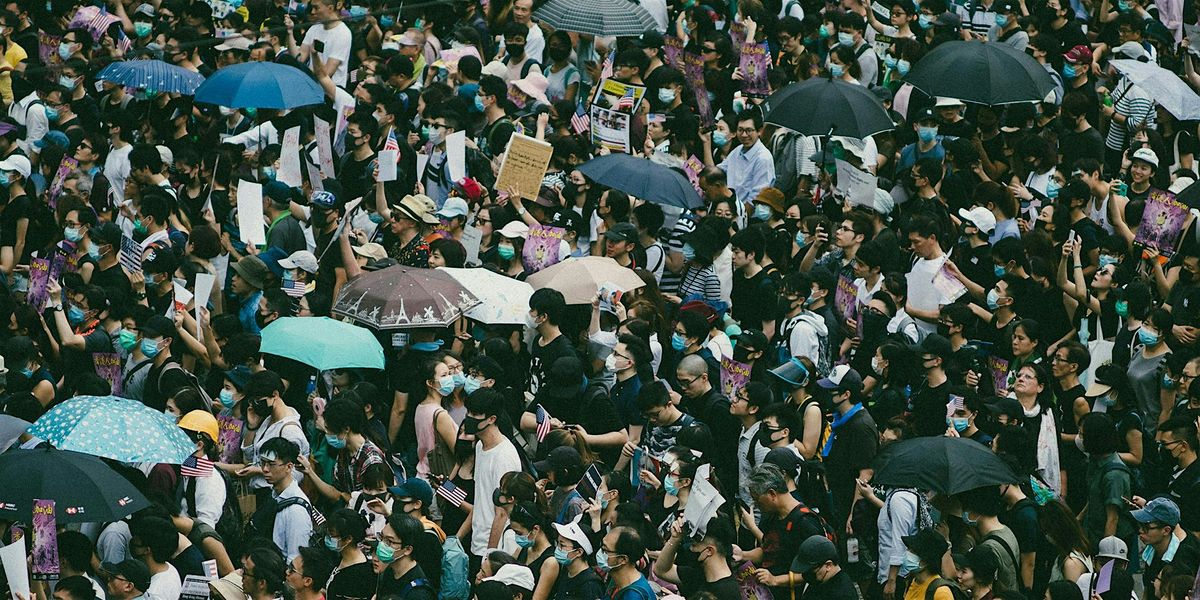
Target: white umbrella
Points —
{"points": [[503, 300], [1165, 87]]}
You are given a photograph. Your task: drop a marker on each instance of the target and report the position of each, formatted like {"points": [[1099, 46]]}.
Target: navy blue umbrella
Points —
{"points": [[152, 75], [642, 178], [260, 85]]}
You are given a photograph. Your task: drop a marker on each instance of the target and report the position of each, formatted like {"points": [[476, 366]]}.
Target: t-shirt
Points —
{"points": [[1003, 544], [638, 590], [390, 586], [543, 357], [691, 582], [165, 585], [355, 582], [490, 465], [753, 299], [335, 44], [838, 587]]}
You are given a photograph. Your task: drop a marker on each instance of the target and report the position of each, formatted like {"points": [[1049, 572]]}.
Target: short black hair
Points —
{"points": [[317, 565], [77, 586], [486, 401], [345, 414], [284, 449], [749, 241], [263, 384], [549, 302]]}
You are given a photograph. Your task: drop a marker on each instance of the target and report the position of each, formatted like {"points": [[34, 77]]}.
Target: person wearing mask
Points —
{"points": [[395, 561], [818, 563], [712, 572], [802, 333], [1145, 366], [929, 401], [852, 442], [786, 523], [1177, 446], [617, 557], [351, 576], [1108, 482], [345, 428], [1164, 541], [749, 167], [576, 579], [965, 418], [663, 419], [547, 307], [924, 558], [495, 455]]}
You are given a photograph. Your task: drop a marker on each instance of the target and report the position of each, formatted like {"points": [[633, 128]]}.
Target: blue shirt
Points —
{"points": [[749, 171], [638, 590], [247, 312], [1004, 229]]}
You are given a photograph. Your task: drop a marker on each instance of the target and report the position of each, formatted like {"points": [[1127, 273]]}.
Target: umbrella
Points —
{"points": [[596, 17], [402, 297], [11, 429], [642, 178], [580, 278], [152, 75], [503, 300], [83, 488], [116, 428], [260, 85], [323, 343], [981, 72], [1167, 89], [943, 464], [816, 106]]}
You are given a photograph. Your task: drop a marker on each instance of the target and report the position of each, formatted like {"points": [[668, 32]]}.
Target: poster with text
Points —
{"points": [[673, 52], [523, 165], [65, 166], [39, 280], [229, 430], [693, 71], [754, 63], [542, 247], [108, 366], [618, 96], [734, 376], [1163, 222], [610, 129], [45, 541]]}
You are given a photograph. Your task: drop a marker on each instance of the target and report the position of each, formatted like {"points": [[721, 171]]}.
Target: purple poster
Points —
{"points": [[67, 165], [754, 63], [45, 540], [108, 366], [750, 587], [693, 167], [845, 300], [542, 247], [230, 438], [1163, 221], [999, 369], [737, 33], [693, 71], [39, 279], [734, 376], [673, 52]]}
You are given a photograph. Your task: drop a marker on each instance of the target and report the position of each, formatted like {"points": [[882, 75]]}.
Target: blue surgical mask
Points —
{"points": [[902, 67], [671, 486], [602, 560], [150, 348], [386, 21], [479, 103], [561, 557], [1147, 337], [1168, 383], [666, 95], [376, 218], [1124, 6], [72, 234], [523, 541], [94, 251], [471, 384], [5, 179], [269, 173], [460, 380], [385, 553], [75, 314], [762, 212], [1069, 71], [823, 32], [927, 134], [719, 138], [27, 372], [925, 21], [227, 399], [67, 82], [911, 563], [993, 299], [64, 51], [889, 61], [999, 270], [800, 238], [1052, 188], [960, 423], [358, 12], [142, 29], [678, 343], [845, 39], [332, 544], [334, 441], [967, 520], [446, 385], [1106, 259], [688, 252], [506, 252], [1002, 21], [51, 113], [837, 70]]}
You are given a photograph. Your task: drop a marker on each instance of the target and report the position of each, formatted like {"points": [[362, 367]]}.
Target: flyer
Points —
{"points": [[230, 433], [755, 61], [1163, 222], [542, 247], [623, 97], [45, 541], [855, 184], [108, 366], [693, 71], [734, 376], [65, 167], [610, 129]]}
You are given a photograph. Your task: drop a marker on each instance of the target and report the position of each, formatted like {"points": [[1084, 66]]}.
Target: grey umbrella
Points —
{"points": [[11, 429], [596, 17]]}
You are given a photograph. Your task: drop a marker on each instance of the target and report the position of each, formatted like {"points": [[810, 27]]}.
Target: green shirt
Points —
{"points": [[1108, 485]]}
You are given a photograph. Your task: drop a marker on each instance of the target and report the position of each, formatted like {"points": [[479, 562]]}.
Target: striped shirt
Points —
{"points": [[702, 281], [976, 17], [1133, 102], [685, 225]]}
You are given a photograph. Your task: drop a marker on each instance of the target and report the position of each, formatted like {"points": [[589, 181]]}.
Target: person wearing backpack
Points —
{"points": [[399, 574], [924, 558], [980, 508], [286, 517], [785, 524], [202, 487]]}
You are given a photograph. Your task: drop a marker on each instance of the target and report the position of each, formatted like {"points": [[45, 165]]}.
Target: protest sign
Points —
{"points": [[289, 158], [252, 226], [542, 247], [618, 96], [108, 366], [610, 129], [65, 166], [1163, 222], [854, 183], [754, 63], [523, 165], [45, 541], [734, 376]]}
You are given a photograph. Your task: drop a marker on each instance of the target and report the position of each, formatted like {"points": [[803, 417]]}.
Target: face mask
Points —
{"points": [[1124, 6], [358, 12], [1079, 443], [1122, 308], [506, 252], [94, 252], [435, 136], [471, 384], [602, 560], [927, 134], [762, 212], [845, 39], [800, 238], [666, 95], [742, 355], [558, 53], [563, 558], [610, 363], [719, 138], [67, 82], [823, 32], [678, 343], [902, 67], [269, 172], [515, 49], [1069, 71], [689, 253], [459, 380], [446, 385], [1106, 260], [27, 372], [1168, 383], [967, 520], [332, 544], [1108, 401], [387, 21], [671, 486], [875, 365], [64, 51], [142, 29], [471, 425], [1052, 188], [993, 299], [523, 541], [385, 553], [912, 562], [5, 179], [51, 113], [127, 340], [72, 234], [334, 441], [1001, 21], [75, 314], [479, 103], [837, 71], [227, 399], [999, 270], [961, 424], [924, 21], [1147, 337], [889, 61], [150, 348]]}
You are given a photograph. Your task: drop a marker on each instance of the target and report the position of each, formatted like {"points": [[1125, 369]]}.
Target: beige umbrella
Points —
{"points": [[579, 278]]}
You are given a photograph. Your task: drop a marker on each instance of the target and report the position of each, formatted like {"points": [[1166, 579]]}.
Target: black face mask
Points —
{"points": [[515, 49], [557, 53], [496, 495], [471, 425], [765, 434], [742, 355], [943, 330], [874, 325]]}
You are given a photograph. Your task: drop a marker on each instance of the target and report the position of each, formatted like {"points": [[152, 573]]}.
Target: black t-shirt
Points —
{"points": [[189, 562], [782, 538], [929, 410], [1084, 144], [839, 587], [753, 299], [1185, 491], [355, 175], [853, 449], [584, 586], [691, 582], [404, 588], [543, 357], [329, 249], [113, 279], [355, 582]]}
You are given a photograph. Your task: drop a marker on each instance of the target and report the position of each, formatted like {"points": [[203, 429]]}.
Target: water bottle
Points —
{"points": [[852, 550], [312, 386], [1108, 101]]}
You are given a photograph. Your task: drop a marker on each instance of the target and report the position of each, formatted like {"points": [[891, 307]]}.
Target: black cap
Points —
{"points": [[160, 260], [564, 378], [926, 114], [569, 220], [814, 552], [1006, 6], [132, 569], [650, 39], [106, 233], [936, 345], [622, 232], [157, 326], [981, 561], [927, 544], [754, 339], [785, 458], [562, 458]]}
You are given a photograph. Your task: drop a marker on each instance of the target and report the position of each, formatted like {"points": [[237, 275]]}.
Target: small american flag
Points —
{"points": [[580, 121], [543, 423], [295, 288], [452, 493], [196, 466], [131, 254], [391, 143], [318, 519], [956, 403], [606, 68], [626, 101], [124, 44]]}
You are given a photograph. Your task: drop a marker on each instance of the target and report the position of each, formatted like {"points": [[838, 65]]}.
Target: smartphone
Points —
{"points": [[319, 45], [1071, 236]]}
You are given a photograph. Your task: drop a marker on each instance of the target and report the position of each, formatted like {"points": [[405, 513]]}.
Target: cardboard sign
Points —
{"points": [[523, 165]]}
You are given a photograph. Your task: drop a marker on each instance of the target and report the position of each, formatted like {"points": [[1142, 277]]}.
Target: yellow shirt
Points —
{"points": [[916, 591], [12, 57]]}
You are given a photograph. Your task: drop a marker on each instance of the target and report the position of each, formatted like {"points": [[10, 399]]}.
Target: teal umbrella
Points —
{"points": [[323, 343], [116, 428]]}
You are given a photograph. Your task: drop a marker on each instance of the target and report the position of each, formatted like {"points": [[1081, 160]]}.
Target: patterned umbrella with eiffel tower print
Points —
{"points": [[402, 297]]}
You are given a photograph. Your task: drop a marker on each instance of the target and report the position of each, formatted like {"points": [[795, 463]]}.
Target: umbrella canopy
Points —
{"points": [[402, 297], [83, 488], [596, 17], [116, 428], [580, 278], [260, 85], [152, 75], [503, 300], [942, 464], [11, 428], [323, 343], [981, 72], [1165, 87], [818, 105], [642, 178]]}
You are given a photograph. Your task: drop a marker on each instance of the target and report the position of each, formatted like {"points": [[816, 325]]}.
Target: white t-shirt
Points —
{"points": [[336, 43], [921, 293], [165, 585], [490, 466], [116, 169]]}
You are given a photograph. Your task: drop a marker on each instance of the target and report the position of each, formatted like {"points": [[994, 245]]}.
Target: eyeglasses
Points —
{"points": [[266, 464], [1149, 527], [686, 382]]}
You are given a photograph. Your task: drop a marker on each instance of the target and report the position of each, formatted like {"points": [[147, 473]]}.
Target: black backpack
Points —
{"points": [[229, 526], [262, 522], [957, 592]]}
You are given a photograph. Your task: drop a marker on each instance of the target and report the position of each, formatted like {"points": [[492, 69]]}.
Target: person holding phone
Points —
{"points": [[329, 37]]}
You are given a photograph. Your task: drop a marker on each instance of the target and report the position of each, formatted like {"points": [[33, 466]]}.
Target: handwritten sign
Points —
{"points": [[523, 165], [324, 147], [108, 366]]}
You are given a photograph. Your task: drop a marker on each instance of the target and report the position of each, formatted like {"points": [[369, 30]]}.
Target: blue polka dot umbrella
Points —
{"points": [[152, 75], [116, 428]]}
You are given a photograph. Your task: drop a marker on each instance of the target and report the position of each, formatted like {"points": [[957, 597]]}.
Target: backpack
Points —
{"points": [[814, 517], [454, 571], [229, 526], [262, 522], [957, 592], [418, 583], [192, 380]]}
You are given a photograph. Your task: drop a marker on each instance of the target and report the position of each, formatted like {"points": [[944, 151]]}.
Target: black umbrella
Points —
{"points": [[943, 464], [988, 73], [816, 106], [83, 488], [643, 178]]}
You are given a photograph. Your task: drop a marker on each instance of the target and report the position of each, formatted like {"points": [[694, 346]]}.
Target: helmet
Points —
{"points": [[200, 421]]}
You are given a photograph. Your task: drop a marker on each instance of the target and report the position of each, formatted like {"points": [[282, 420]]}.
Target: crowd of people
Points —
{"points": [[998, 285]]}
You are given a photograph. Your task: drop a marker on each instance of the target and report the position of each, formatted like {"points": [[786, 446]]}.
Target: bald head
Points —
{"points": [[692, 366]]}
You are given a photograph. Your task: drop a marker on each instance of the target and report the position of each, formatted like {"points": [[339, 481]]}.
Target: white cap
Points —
{"points": [[165, 154], [300, 259], [515, 229], [496, 68], [1132, 50], [572, 531], [944, 101], [236, 42], [980, 217], [1113, 547], [17, 163], [1147, 155], [454, 207], [883, 203], [518, 575]]}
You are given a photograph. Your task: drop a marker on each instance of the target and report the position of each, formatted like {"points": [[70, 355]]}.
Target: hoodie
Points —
{"points": [[808, 336]]}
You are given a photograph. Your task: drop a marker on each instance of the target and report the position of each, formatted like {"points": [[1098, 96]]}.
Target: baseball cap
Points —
{"points": [[253, 270], [371, 250], [947, 101], [324, 199], [650, 39], [1006, 6], [948, 19], [569, 220], [159, 260], [842, 378], [565, 377], [883, 203], [814, 552], [406, 39], [936, 345], [415, 488], [980, 217], [157, 326], [1080, 54], [53, 138], [454, 207], [144, 8], [1161, 510], [16, 163], [236, 42], [572, 531], [279, 191], [1113, 547], [514, 229], [622, 232], [785, 458], [469, 188], [239, 376], [106, 233], [753, 339], [562, 458], [1132, 50], [300, 259], [518, 575], [1146, 155], [132, 569], [925, 115]]}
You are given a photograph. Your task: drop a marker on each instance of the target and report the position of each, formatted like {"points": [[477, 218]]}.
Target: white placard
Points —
{"points": [[472, 237], [456, 155], [324, 147], [422, 162], [857, 185], [289, 158], [204, 287], [703, 502], [252, 226], [387, 165], [15, 569]]}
